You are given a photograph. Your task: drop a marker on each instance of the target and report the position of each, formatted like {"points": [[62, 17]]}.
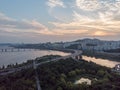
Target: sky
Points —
{"points": [[35, 21]]}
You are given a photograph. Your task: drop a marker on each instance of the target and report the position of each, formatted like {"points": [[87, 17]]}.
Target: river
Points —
{"points": [[22, 56], [102, 62]]}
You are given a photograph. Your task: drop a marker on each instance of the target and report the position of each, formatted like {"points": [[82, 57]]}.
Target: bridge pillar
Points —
{"points": [[18, 50], [12, 50], [2, 50], [5, 50]]}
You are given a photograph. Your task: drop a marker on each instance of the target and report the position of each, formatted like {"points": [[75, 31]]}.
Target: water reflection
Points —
{"points": [[103, 62], [22, 56]]}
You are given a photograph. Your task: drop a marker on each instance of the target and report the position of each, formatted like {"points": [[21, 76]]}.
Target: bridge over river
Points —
{"points": [[12, 49]]}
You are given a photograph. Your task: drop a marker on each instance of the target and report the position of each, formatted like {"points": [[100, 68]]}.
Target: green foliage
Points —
{"points": [[78, 71], [23, 80], [100, 73], [65, 72], [59, 88], [61, 75], [101, 55], [72, 74], [46, 58]]}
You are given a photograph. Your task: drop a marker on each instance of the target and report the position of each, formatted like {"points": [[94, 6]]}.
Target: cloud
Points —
{"points": [[55, 3], [87, 4], [11, 25], [86, 18], [98, 5], [97, 18], [103, 25], [4, 17], [103, 33]]}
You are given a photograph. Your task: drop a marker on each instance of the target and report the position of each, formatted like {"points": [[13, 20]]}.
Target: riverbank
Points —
{"points": [[103, 55], [62, 74], [7, 58], [102, 62]]}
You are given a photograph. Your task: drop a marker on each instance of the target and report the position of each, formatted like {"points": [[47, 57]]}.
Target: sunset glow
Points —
{"points": [[60, 20]]}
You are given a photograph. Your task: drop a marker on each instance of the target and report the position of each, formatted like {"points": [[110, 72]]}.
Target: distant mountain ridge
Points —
{"points": [[88, 39]]}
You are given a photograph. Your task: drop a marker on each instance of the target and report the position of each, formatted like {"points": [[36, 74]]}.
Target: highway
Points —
{"points": [[36, 77]]}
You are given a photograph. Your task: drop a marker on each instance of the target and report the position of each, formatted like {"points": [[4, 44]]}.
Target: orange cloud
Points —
{"points": [[103, 33]]}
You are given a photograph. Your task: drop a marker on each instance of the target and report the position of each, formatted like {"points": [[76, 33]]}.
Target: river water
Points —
{"points": [[22, 56], [103, 62]]}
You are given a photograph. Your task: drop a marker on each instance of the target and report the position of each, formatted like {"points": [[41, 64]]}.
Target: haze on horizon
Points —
{"points": [[58, 20]]}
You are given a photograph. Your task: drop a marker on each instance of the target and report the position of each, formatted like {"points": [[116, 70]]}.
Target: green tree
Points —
{"points": [[72, 73], [59, 88], [77, 71], [69, 85], [63, 75], [100, 73]]}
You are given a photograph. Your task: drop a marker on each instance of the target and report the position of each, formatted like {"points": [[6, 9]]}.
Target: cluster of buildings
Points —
{"points": [[84, 44], [94, 44]]}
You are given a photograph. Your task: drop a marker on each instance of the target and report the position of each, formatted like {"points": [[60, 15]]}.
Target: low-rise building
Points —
{"points": [[117, 67]]}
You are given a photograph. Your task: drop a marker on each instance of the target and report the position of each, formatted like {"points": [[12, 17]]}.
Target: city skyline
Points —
{"points": [[58, 20]]}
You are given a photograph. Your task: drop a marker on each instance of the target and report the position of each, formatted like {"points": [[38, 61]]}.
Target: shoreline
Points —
{"points": [[102, 55], [34, 56], [96, 55]]}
